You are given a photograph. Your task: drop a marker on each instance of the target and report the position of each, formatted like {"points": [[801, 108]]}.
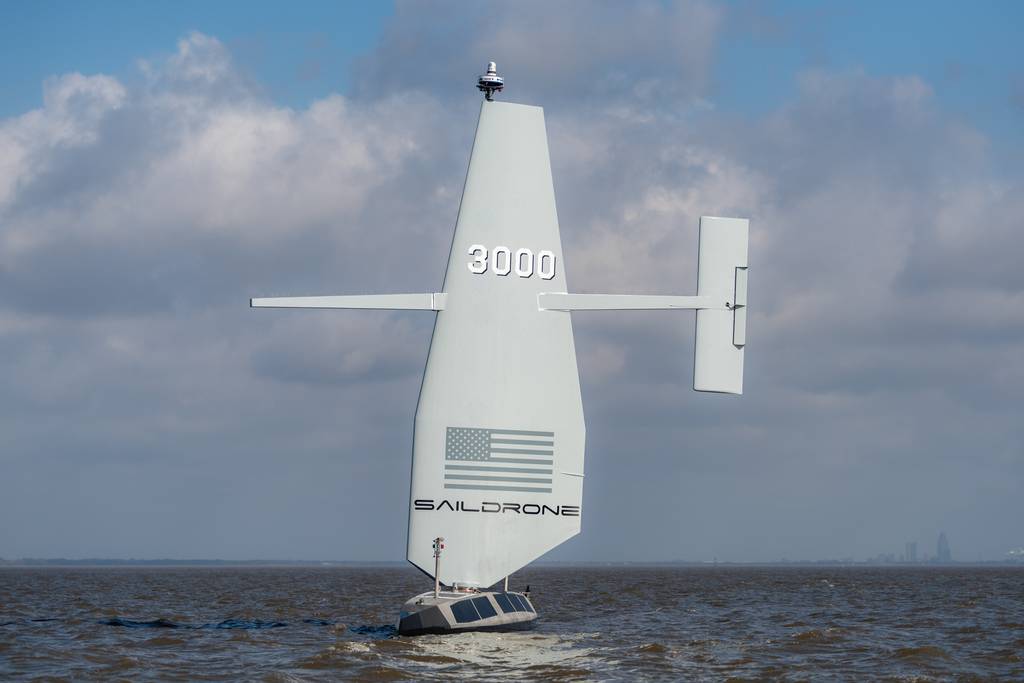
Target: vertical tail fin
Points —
{"points": [[721, 334]]}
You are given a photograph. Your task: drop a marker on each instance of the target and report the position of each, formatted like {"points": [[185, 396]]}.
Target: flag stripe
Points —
{"points": [[523, 461], [473, 477], [524, 470], [523, 451], [522, 442], [521, 431], [474, 487]]}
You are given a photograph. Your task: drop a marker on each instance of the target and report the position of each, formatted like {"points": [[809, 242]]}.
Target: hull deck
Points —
{"points": [[456, 612]]}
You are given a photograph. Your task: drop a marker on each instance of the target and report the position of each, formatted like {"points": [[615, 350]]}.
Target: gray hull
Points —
{"points": [[455, 612]]}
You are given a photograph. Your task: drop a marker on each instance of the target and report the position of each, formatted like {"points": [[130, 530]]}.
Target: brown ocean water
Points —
{"points": [[614, 624]]}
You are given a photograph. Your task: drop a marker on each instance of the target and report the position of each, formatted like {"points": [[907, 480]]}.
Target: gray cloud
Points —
{"points": [[583, 53], [162, 417]]}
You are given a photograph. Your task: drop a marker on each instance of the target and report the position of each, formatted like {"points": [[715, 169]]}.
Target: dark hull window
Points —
{"points": [[526, 603], [504, 603], [520, 607], [463, 611], [484, 607]]}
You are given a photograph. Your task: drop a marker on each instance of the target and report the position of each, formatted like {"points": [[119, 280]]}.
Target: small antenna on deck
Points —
{"points": [[438, 547], [490, 82]]}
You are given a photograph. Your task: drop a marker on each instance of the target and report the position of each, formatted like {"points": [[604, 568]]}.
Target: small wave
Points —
{"points": [[431, 659], [163, 641], [1010, 656], [132, 623], [396, 646], [254, 624], [828, 635], [652, 648], [812, 636], [924, 652], [247, 624], [386, 631]]}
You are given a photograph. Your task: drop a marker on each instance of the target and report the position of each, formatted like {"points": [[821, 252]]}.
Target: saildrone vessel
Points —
{"points": [[497, 466]]}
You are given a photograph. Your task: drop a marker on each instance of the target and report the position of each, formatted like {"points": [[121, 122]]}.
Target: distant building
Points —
{"points": [[911, 553], [942, 553]]}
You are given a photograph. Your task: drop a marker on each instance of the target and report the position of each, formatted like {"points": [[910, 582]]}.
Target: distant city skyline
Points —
{"points": [[942, 551], [911, 551]]}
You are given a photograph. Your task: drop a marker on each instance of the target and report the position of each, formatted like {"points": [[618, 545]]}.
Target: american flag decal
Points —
{"points": [[479, 459]]}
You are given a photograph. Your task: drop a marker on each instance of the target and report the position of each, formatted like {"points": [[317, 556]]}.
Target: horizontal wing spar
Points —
{"points": [[559, 301], [429, 301], [548, 301]]}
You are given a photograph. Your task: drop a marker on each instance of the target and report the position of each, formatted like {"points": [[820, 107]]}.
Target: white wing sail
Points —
{"points": [[498, 449], [497, 466]]}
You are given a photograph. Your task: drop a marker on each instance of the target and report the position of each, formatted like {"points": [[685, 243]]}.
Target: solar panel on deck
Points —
{"points": [[504, 603], [520, 607], [484, 607], [463, 611]]}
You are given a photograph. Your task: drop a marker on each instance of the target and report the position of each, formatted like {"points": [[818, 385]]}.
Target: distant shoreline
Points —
{"points": [[105, 562], [198, 563]]}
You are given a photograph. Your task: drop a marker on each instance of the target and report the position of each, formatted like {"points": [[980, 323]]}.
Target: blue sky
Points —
{"points": [[969, 53], [296, 52], [162, 162]]}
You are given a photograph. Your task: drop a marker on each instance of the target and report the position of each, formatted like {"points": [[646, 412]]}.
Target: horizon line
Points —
{"points": [[198, 562]]}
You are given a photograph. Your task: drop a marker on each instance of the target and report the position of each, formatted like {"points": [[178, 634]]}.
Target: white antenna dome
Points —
{"points": [[490, 82]]}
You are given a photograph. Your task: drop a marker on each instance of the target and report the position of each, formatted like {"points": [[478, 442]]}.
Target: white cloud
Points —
{"points": [[74, 105]]}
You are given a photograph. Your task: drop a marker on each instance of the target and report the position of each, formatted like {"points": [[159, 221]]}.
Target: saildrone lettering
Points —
{"points": [[429, 505]]}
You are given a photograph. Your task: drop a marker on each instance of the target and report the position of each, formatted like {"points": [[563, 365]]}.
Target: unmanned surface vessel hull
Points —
{"points": [[457, 611]]}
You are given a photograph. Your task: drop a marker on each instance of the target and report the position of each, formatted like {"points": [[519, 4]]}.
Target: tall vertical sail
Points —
{"points": [[499, 436]]}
